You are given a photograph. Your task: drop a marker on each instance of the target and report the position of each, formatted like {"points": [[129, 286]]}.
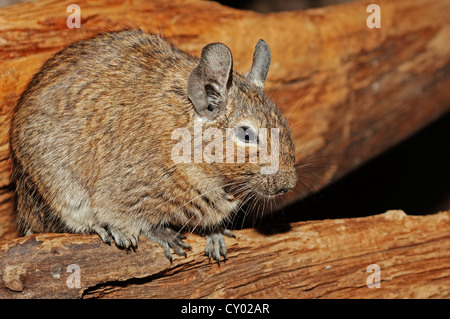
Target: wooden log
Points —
{"points": [[350, 92], [315, 259]]}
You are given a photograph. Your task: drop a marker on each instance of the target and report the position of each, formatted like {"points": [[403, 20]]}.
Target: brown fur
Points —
{"points": [[91, 144]]}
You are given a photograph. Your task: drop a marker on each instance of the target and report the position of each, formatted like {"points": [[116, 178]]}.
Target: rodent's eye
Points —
{"points": [[246, 134]]}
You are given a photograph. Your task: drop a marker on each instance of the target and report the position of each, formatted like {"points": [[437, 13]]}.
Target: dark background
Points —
{"points": [[266, 6], [413, 176]]}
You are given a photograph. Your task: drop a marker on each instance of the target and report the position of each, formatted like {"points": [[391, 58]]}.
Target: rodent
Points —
{"points": [[91, 142]]}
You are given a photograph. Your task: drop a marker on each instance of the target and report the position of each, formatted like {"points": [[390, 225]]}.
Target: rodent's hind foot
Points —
{"points": [[168, 238], [215, 245]]}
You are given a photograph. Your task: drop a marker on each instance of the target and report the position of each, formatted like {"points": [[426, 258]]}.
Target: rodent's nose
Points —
{"points": [[286, 183], [280, 183]]}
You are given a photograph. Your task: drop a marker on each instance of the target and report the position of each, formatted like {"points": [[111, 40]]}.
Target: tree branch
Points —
{"points": [[314, 259], [349, 92]]}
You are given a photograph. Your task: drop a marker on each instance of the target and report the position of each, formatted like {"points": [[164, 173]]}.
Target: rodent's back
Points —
{"points": [[97, 114], [107, 87]]}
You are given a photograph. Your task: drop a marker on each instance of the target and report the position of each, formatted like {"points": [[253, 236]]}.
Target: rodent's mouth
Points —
{"points": [[274, 193], [262, 192], [268, 196]]}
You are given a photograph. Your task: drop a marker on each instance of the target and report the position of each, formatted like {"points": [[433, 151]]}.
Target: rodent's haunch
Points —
{"points": [[91, 141]]}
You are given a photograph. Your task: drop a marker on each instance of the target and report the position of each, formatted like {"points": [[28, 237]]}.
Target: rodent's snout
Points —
{"points": [[279, 183]]}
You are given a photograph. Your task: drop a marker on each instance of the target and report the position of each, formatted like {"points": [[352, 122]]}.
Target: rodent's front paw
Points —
{"points": [[122, 239], [169, 238], [215, 245]]}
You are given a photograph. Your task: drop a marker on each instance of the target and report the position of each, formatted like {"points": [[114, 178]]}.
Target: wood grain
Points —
{"points": [[349, 93], [315, 259]]}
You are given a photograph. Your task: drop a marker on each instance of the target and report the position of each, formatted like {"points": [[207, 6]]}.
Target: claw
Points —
{"points": [[122, 239], [228, 233], [103, 235], [215, 245], [168, 239], [166, 249]]}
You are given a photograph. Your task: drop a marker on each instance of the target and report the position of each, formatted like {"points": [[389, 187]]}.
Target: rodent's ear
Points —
{"points": [[209, 82], [260, 65]]}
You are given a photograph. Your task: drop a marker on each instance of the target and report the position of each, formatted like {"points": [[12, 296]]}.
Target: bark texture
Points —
{"points": [[314, 259], [349, 92]]}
